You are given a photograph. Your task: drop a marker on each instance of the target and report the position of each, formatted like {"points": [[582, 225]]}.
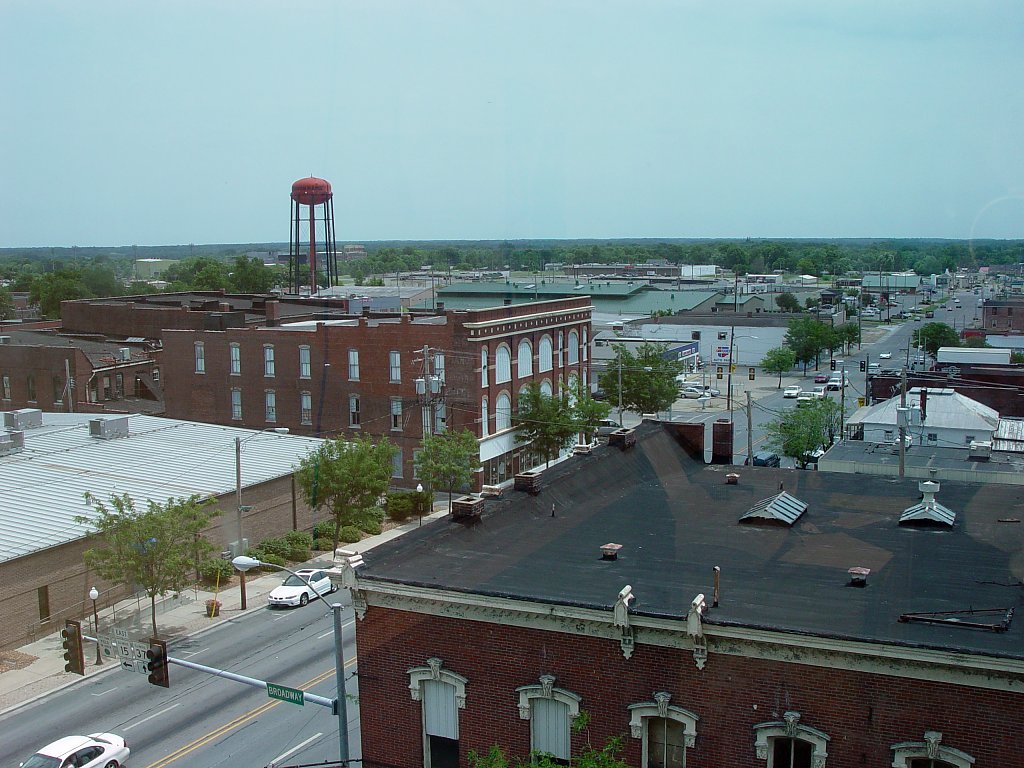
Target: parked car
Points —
{"points": [[106, 750], [301, 587], [792, 391], [766, 459], [884, 355], [606, 426], [821, 378], [691, 393]]}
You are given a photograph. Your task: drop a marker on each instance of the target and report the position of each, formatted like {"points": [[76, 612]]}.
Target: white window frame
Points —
{"points": [[929, 749], [483, 367], [304, 364], [484, 417], [547, 690], [270, 406], [502, 364], [434, 671], [586, 345], [236, 404], [396, 414], [395, 366], [439, 366], [397, 465], [790, 728], [640, 715], [561, 346], [353, 412], [573, 349], [524, 359], [306, 407], [545, 388], [199, 349], [502, 412], [544, 354], [269, 367], [235, 359], [7, 386], [353, 365]]}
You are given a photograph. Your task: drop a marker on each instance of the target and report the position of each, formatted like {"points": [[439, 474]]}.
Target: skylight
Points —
{"points": [[782, 508]]}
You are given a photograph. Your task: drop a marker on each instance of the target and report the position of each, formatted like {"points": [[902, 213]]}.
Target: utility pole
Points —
{"points": [[901, 417], [620, 386], [732, 342], [750, 432], [842, 408], [867, 380]]}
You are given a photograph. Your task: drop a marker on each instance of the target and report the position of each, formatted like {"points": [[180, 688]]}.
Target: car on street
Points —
{"points": [[819, 392], [792, 391], [301, 587], [97, 750], [606, 426], [820, 378], [884, 355], [805, 398], [694, 391], [873, 366], [766, 459], [837, 382], [691, 393]]}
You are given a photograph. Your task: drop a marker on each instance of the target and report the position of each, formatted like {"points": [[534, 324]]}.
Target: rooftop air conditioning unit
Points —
{"points": [[5, 339], [10, 442], [108, 429], [124, 353], [23, 418], [980, 451]]}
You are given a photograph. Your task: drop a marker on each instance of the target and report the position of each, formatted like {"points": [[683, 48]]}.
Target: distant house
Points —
{"points": [[937, 417]]}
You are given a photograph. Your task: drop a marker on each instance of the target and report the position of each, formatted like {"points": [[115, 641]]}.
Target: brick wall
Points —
{"points": [[863, 713]]}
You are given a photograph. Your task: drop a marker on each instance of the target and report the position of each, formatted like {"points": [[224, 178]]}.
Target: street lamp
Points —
{"points": [[244, 563], [239, 509], [94, 596], [419, 501]]}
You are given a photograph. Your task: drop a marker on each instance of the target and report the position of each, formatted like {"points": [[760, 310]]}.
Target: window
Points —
{"points": [[58, 389], [353, 410], [396, 464], [502, 412], [271, 405], [586, 345], [723, 335], [235, 359], [306, 407], [442, 694], [268, 359], [667, 731], [544, 355], [200, 353], [524, 363], [7, 387], [439, 366], [929, 753], [788, 744], [236, 404], [483, 367], [502, 364], [574, 347], [43, 596], [968, 439], [395, 366], [484, 418], [933, 437], [32, 387], [694, 335], [353, 365], [545, 388], [560, 345], [304, 362], [396, 413], [550, 711], [440, 417], [889, 436]]}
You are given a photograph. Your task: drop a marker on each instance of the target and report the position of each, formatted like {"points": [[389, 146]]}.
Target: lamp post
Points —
{"points": [[243, 564], [94, 596], [419, 502], [239, 509]]}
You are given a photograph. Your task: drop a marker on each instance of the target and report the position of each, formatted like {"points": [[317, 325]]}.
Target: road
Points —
{"points": [[202, 719]]}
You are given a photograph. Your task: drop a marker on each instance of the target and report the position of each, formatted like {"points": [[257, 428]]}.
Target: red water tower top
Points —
{"points": [[311, 191]]}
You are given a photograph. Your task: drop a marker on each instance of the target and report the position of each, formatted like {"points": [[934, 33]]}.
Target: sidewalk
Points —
{"points": [[37, 669]]}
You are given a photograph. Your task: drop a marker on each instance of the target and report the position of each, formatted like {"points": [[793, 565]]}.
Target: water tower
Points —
{"points": [[315, 195]]}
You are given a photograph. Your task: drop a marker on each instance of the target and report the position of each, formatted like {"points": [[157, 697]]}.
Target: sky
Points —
{"points": [[187, 121]]}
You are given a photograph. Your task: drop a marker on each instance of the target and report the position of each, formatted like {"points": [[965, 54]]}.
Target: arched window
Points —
{"points": [[930, 753], [545, 388], [560, 346], [788, 744], [544, 354], [484, 418], [525, 361], [483, 367], [667, 731], [574, 347], [502, 364], [442, 694], [502, 412], [550, 711], [586, 345]]}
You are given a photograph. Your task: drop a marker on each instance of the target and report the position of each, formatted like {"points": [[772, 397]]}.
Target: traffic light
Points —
{"points": [[156, 663], [72, 642], [832, 364], [719, 373], [863, 365], [750, 373]]}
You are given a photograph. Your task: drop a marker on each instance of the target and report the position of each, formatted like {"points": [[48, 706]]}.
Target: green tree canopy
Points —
{"points": [[347, 476], [545, 421], [849, 334], [648, 378], [787, 302], [448, 460], [931, 336], [804, 429], [977, 342], [158, 548], [807, 337], [50, 289], [779, 360], [251, 276]]}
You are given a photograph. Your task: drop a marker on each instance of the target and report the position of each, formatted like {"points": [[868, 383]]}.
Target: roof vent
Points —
{"points": [[928, 509], [610, 551], [124, 354], [781, 508], [859, 576], [23, 418], [108, 429], [11, 442]]}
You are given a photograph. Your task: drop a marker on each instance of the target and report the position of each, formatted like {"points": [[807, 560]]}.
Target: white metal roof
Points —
{"points": [[43, 486], [945, 408]]}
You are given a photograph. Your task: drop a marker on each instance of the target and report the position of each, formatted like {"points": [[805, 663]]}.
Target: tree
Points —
{"points": [[158, 548], [588, 412], [648, 378], [787, 302], [1016, 357], [849, 333], [977, 342], [448, 460], [805, 429], [779, 360], [348, 478], [806, 337], [931, 336], [49, 290], [251, 276], [6, 305], [545, 421]]}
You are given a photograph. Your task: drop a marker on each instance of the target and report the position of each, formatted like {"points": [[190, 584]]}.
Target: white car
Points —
{"points": [[97, 750], [792, 391], [301, 587], [884, 355]]}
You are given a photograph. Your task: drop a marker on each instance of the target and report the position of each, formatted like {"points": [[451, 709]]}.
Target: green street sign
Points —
{"points": [[291, 695]]}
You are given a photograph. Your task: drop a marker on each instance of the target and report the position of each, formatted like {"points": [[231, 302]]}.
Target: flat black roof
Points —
{"points": [[676, 519]]}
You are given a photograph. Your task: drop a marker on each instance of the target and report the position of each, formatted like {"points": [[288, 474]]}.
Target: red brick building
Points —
{"points": [[819, 632], [359, 374], [1003, 316]]}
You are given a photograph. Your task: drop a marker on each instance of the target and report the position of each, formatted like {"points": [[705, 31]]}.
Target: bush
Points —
{"points": [[323, 545], [216, 570], [371, 527], [401, 506], [278, 546], [299, 545], [349, 534], [272, 559], [324, 530]]}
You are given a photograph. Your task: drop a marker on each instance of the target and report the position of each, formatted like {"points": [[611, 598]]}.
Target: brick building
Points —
{"points": [[357, 375], [1003, 315], [836, 635]]}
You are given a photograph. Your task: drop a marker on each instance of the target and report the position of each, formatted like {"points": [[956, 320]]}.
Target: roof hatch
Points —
{"points": [[782, 508]]}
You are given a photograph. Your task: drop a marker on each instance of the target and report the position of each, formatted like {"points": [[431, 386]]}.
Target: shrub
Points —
{"points": [[299, 545], [401, 506], [371, 527], [272, 559], [322, 545], [350, 534], [216, 570], [278, 546], [324, 529]]}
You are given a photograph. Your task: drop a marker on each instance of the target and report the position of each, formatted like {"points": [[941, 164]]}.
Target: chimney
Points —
{"points": [[924, 404], [718, 574], [272, 311], [224, 306]]}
